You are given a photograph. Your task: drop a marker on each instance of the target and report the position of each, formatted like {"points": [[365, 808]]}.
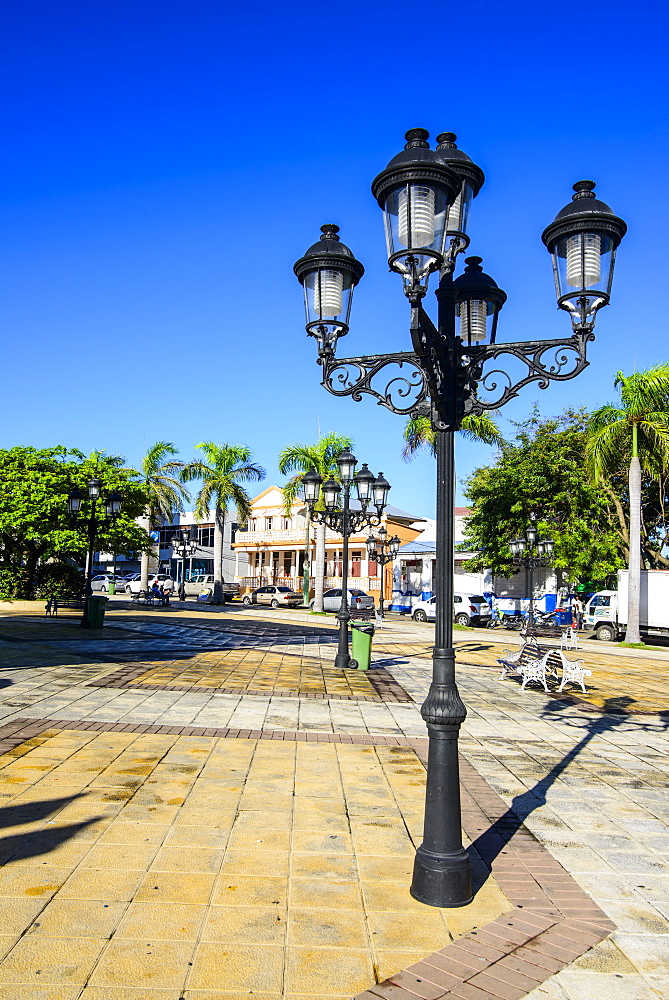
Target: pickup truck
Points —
{"points": [[197, 584]]}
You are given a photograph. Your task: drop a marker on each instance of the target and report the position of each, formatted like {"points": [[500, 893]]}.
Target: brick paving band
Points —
{"points": [[383, 682], [553, 921]]}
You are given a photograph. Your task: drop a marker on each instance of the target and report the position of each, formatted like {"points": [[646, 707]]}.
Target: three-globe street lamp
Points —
{"points": [[452, 371], [184, 545], [94, 525], [532, 553], [382, 550], [339, 517]]}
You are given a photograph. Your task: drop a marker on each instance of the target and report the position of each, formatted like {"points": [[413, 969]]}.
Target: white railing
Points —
{"points": [[368, 583]]}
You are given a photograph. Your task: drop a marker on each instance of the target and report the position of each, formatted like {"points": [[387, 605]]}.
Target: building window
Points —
{"points": [[286, 523], [356, 563], [205, 535], [268, 523], [372, 568]]}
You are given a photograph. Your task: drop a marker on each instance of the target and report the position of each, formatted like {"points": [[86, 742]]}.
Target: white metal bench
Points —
{"points": [[573, 672], [569, 639]]}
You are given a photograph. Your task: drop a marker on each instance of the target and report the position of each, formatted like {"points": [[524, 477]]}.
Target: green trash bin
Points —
{"points": [[96, 611], [361, 642], [112, 587]]}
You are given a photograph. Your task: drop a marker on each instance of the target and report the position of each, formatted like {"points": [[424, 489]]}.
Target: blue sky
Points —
{"points": [[166, 163]]}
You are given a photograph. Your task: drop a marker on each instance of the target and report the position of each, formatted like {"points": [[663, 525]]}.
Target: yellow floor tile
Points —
{"points": [[175, 887], [18, 913], [321, 866], [141, 964], [188, 859], [162, 921], [110, 886], [259, 840], [141, 834], [305, 892], [22, 880], [23, 992], [245, 925], [244, 967], [308, 970], [400, 930], [387, 963], [246, 890], [119, 857], [255, 863], [38, 959], [120, 993], [78, 918], [327, 928]]}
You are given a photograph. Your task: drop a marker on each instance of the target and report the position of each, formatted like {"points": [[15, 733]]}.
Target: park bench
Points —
{"points": [[145, 597], [539, 664], [56, 604]]}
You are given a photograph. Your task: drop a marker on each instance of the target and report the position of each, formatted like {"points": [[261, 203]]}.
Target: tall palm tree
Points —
{"points": [[637, 430], [158, 474], [418, 433], [323, 458], [222, 471]]}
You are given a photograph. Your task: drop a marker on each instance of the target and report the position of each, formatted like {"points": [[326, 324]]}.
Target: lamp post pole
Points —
{"points": [[184, 543], [532, 553], [453, 370], [382, 550], [338, 516], [94, 525]]}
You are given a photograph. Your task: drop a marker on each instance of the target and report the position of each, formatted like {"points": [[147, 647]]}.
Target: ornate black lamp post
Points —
{"points": [[184, 546], [382, 551], [453, 370], [339, 517], [94, 525], [532, 553]]}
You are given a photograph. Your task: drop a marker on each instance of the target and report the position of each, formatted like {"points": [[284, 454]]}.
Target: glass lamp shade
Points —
{"points": [[383, 535], [517, 546], [74, 502], [331, 491], [471, 180], [415, 193], [531, 535], [547, 547], [364, 480], [583, 241], [311, 482], [394, 546], [113, 504], [478, 302], [380, 491], [347, 463], [328, 273], [371, 544], [94, 487], [193, 535]]}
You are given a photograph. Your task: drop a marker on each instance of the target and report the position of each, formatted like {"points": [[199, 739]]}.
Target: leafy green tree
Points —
{"points": [[542, 471], [34, 522], [323, 458], [418, 433], [222, 471], [159, 474], [635, 432]]}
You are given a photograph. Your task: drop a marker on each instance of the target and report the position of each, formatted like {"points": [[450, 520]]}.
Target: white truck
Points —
{"points": [[606, 611]]}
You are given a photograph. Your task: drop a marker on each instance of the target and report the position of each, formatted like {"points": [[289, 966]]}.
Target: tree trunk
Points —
{"points": [[219, 528], [319, 569], [145, 522], [634, 576]]}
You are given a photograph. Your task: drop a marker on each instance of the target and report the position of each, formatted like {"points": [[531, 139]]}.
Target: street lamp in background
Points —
{"points": [[382, 551], [94, 525], [532, 553], [184, 545], [338, 516], [453, 369]]}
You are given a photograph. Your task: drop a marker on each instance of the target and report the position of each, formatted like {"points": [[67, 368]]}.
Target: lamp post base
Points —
{"points": [[442, 879]]}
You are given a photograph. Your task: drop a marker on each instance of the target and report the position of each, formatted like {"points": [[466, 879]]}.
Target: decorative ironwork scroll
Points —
{"points": [[400, 391]]}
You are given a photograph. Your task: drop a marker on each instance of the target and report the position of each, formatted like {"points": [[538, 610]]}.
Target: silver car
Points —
{"points": [[358, 600], [276, 597]]}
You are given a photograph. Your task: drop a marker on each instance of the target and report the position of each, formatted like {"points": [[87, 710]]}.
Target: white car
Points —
{"points": [[134, 584], [358, 600], [467, 610]]}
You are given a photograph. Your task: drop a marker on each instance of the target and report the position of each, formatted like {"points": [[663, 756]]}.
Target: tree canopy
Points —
{"points": [[542, 471], [34, 520]]}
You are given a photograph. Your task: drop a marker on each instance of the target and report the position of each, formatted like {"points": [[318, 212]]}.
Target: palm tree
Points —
{"points": [[419, 433], [158, 475], [638, 429], [323, 458], [224, 468]]}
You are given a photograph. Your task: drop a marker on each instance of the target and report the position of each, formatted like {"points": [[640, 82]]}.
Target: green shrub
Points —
{"points": [[61, 579], [14, 583]]}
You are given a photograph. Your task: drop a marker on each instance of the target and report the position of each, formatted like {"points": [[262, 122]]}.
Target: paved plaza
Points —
{"points": [[197, 804]]}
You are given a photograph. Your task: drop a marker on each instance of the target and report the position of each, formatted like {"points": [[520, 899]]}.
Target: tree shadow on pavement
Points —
{"points": [[21, 846], [490, 843]]}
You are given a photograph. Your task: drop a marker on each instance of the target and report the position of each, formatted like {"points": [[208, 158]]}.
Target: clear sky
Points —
{"points": [[165, 164]]}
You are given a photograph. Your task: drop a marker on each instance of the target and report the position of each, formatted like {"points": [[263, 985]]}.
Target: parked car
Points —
{"points": [[358, 600], [102, 580], [276, 597], [205, 581], [467, 610], [134, 584]]}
